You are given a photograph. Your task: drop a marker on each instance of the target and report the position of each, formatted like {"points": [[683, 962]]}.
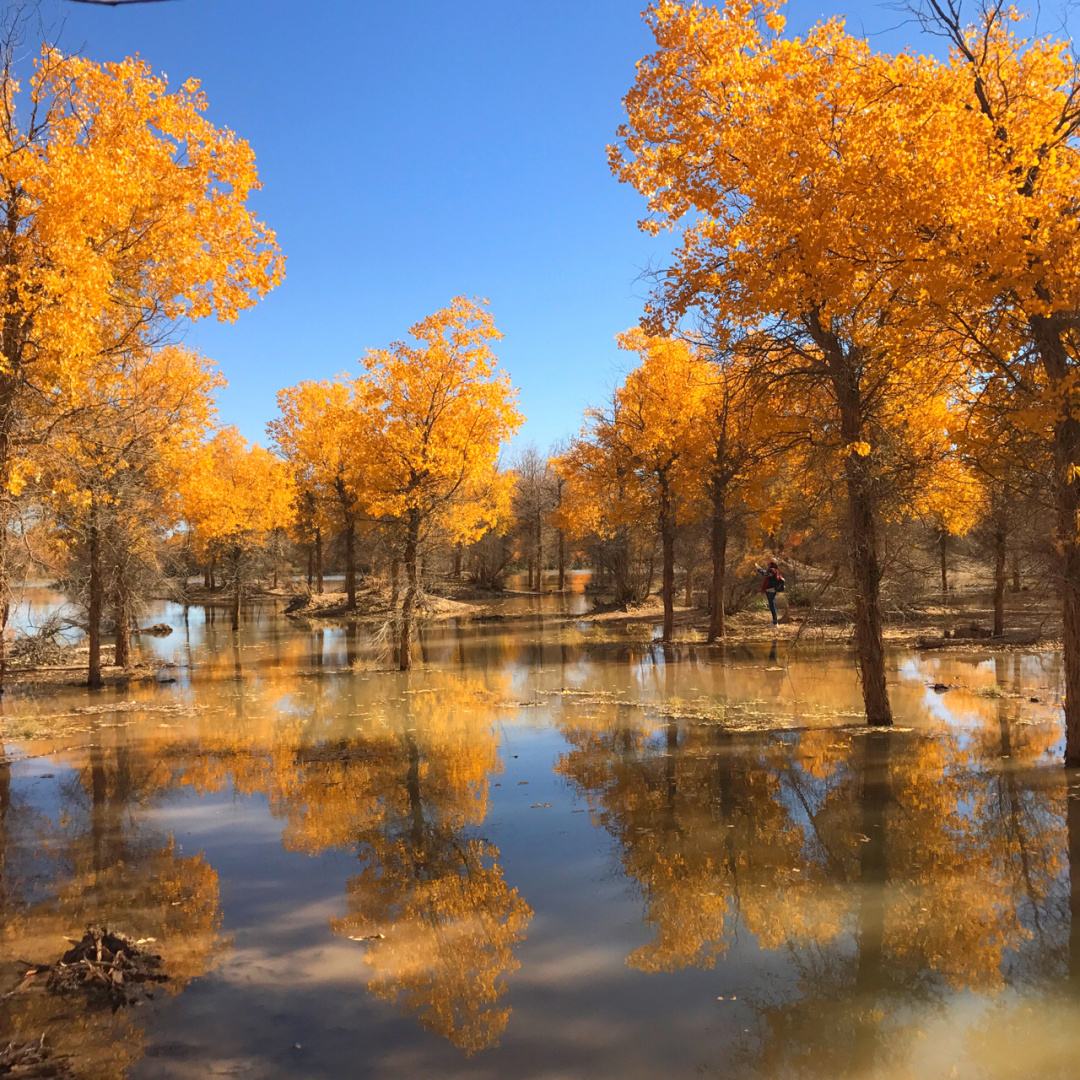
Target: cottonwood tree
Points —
{"points": [[802, 216], [660, 409], [1010, 170], [603, 506], [320, 432], [438, 410], [951, 504], [234, 495], [734, 437], [534, 499], [122, 210], [109, 477], [491, 556]]}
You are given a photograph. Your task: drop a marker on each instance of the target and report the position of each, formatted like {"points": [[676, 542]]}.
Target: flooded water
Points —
{"points": [[552, 850]]}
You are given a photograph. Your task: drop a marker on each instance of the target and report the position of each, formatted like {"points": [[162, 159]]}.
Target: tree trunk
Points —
{"points": [[943, 551], [310, 566], [539, 553], [395, 585], [689, 597], [318, 561], [94, 608], [122, 619], [350, 562], [213, 573], [866, 574], [206, 576], [412, 544], [844, 364], [238, 559], [457, 561], [562, 560], [999, 581], [718, 544], [1014, 558], [619, 566], [5, 591], [667, 541], [1048, 335]]}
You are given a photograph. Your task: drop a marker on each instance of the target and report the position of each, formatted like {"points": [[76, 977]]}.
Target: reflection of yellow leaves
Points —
{"points": [[441, 925], [776, 838]]}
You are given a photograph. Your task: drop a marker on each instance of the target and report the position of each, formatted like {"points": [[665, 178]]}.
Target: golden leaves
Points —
{"points": [[418, 432], [235, 492]]}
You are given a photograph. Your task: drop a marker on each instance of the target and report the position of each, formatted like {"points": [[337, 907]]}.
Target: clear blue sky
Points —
{"points": [[410, 151]]}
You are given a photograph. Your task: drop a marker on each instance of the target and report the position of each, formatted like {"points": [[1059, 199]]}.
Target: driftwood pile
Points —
{"points": [[32, 1059], [105, 966]]}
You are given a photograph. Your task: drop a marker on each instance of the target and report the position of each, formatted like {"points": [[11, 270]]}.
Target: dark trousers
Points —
{"points": [[770, 596]]}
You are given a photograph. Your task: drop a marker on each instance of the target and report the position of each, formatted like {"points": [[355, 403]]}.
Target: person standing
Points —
{"points": [[772, 582]]}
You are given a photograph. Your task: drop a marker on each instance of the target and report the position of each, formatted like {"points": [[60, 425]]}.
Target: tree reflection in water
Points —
{"points": [[891, 868], [95, 861], [407, 788], [866, 886]]}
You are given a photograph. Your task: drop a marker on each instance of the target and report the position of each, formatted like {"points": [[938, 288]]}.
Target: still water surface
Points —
{"points": [[554, 850]]}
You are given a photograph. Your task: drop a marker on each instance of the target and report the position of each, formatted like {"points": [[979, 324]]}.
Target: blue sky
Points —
{"points": [[410, 151]]}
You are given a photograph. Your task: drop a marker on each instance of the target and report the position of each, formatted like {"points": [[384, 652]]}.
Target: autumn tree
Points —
{"points": [[735, 435], [558, 488], [803, 216], [109, 479], [491, 556], [951, 504], [602, 506], [660, 408], [320, 432], [1002, 438], [438, 411], [1010, 168], [235, 494], [123, 210]]}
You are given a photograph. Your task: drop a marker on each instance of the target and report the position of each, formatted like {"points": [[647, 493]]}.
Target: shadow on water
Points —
{"points": [[553, 849]]}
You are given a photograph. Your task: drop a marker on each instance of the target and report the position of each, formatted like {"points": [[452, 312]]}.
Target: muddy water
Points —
{"points": [[553, 850]]}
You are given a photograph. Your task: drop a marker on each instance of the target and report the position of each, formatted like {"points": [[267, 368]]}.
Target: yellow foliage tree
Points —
{"points": [[438, 410], [233, 495], [1005, 180], [122, 210], [632, 466], [804, 221], [109, 477], [320, 432], [727, 450]]}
